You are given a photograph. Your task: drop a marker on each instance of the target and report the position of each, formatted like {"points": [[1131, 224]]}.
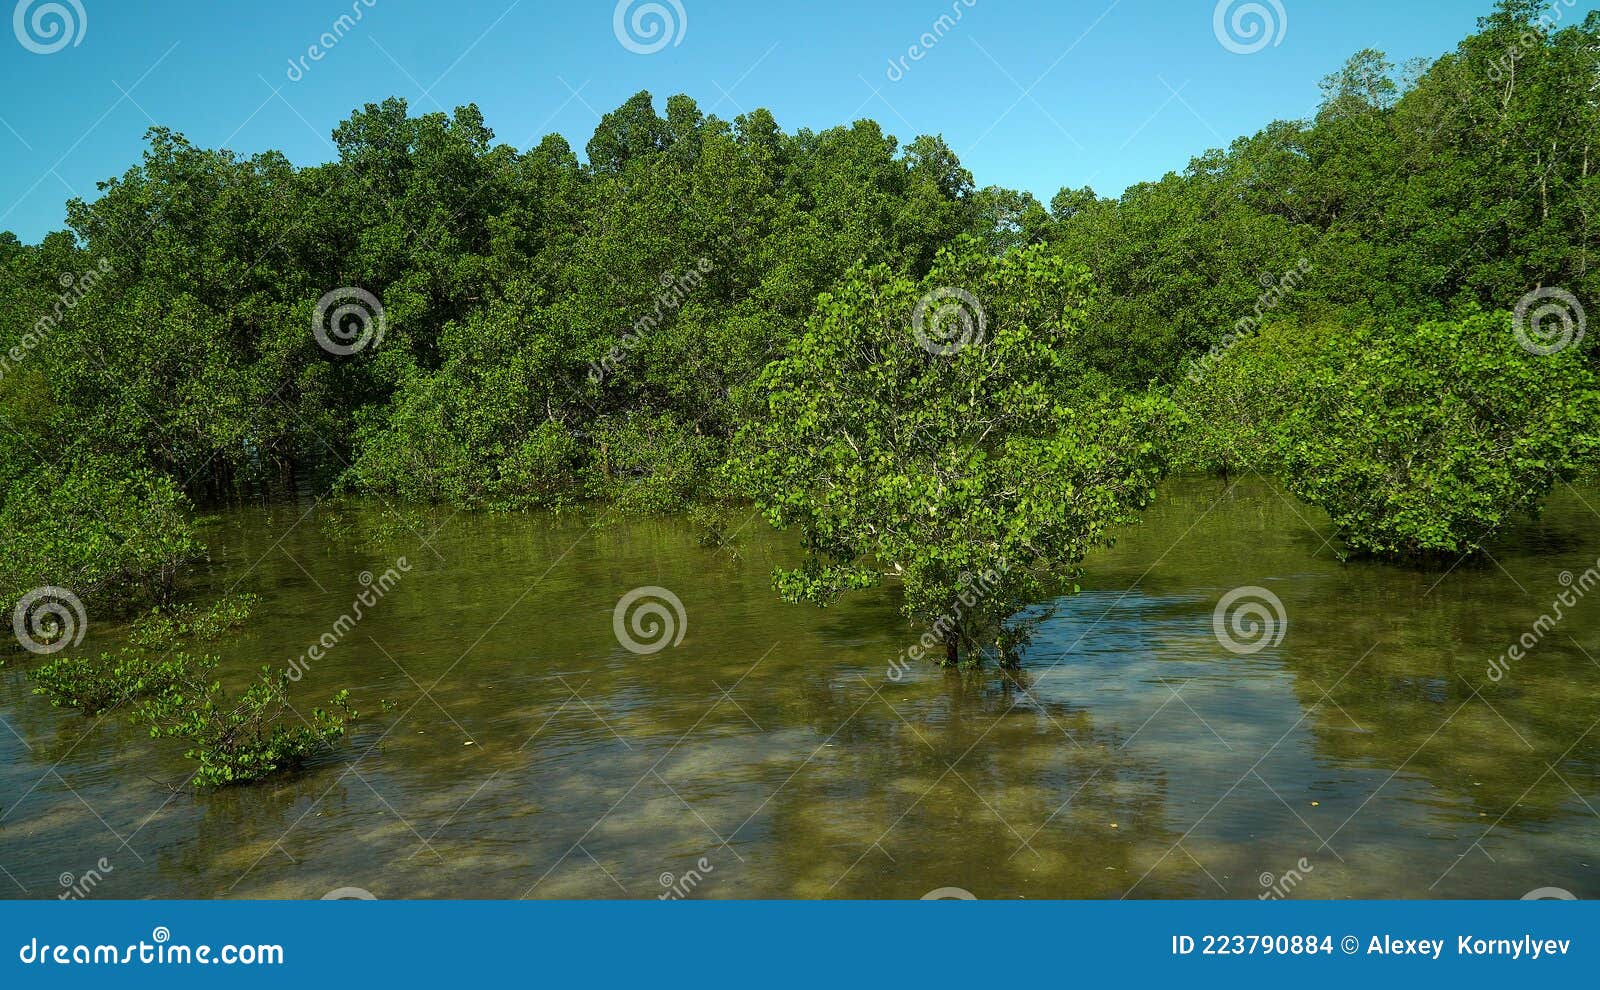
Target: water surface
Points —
{"points": [[529, 754]]}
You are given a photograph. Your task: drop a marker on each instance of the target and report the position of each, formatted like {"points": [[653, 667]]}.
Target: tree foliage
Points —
{"points": [[559, 328], [1423, 440], [949, 438], [116, 536]]}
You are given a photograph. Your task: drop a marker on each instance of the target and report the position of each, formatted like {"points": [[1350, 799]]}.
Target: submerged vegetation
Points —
{"points": [[936, 383], [232, 738], [243, 737]]}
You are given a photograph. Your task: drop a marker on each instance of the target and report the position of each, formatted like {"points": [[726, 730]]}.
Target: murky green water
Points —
{"points": [[1367, 754]]}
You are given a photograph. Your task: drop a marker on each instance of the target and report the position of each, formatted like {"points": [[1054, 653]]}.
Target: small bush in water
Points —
{"points": [[147, 665], [247, 737], [99, 684]]}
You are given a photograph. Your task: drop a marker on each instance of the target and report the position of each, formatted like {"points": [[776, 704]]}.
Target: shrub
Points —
{"points": [[176, 694], [1233, 404], [166, 628], [113, 534], [542, 470], [146, 666], [100, 684], [650, 464], [242, 738], [487, 429], [1424, 440]]}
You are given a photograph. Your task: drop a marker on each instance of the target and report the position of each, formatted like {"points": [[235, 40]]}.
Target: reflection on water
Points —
{"points": [[1369, 754]]}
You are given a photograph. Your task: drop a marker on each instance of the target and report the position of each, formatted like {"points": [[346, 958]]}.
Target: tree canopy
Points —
{"points": [[706, 308]]}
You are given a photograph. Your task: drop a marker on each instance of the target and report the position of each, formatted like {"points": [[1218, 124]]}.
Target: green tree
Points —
{"points": [[1425, 440], [942, 432], [114, 535], [1233, 406]]}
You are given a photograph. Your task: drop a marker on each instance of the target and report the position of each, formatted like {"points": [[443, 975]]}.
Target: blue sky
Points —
{"points": [[1035, 95]]}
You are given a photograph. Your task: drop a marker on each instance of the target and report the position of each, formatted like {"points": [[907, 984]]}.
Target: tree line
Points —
{"points": [[955, 387]]}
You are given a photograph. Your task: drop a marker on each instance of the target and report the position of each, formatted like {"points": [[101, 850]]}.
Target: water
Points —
{"points": [[1367, 754]]}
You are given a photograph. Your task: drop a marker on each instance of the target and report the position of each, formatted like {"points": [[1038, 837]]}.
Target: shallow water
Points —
{"points": [[1369, 753]]}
